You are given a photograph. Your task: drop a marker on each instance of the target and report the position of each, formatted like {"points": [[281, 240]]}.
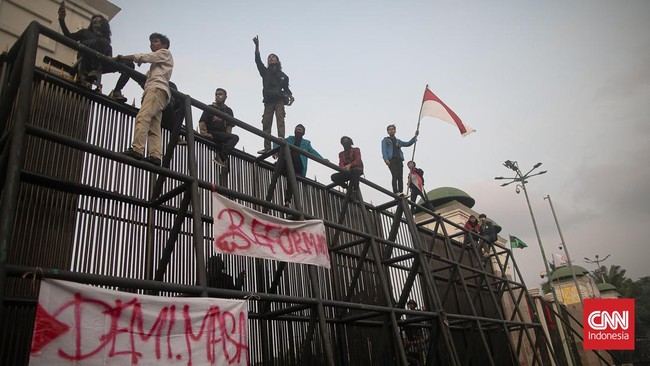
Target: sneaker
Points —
{"points": [[402, 194], [287, 204], [152, 160], [91, 77], [219, 162], [181, 142], [134, 154], [263, 151], [117, 95]]}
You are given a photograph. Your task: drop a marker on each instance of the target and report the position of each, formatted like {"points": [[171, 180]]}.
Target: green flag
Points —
{"points": [[515, 242]]}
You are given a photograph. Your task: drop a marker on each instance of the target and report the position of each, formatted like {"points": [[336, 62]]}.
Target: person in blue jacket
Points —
{"points": [[391, 152], [299, 161]]}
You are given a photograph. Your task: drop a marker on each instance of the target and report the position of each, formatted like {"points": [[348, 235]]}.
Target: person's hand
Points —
{"points": [[62, 10], [417, 132], [275, 156], [256, 40], [347, 167], [291, 100]]}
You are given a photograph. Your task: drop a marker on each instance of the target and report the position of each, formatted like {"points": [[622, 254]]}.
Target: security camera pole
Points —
{"points": [[566, 249], [522, 178]]}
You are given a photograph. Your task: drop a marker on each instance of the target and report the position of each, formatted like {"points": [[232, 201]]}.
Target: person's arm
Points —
{"points": [[342, 159], [258, 59], [285, 87], [161, 55], [311, 150], [203, 127], [384, 151], [64, 27], [356, 161]]}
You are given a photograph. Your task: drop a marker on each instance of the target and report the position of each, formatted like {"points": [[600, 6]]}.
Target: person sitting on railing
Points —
{"points": [[98, 37], [350, 160], [155, 98], [218, 129], [299, 161], [472, 226]]}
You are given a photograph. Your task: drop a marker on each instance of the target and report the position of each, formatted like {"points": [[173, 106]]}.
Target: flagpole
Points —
{"points": [[417, 128]]}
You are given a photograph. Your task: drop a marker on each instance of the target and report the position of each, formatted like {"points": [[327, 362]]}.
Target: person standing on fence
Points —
{"points": [[98, 37], [219, 129], [275, 91], [488, 232], [391, 152], [155, 98]]}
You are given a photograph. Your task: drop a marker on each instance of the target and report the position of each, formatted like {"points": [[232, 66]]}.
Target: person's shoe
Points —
{"points": [[91, 77], [181, 142], [153, 161], [134, 154], [263, 151], [402, 194], [117, 95], [287, 204], [219, 162]]}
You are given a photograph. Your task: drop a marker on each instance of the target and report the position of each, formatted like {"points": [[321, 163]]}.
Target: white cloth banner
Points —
{"points": [[84, 325], [560, 260], [244, 231]]}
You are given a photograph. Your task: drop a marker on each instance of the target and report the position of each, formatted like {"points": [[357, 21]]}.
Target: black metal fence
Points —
{"points": [[74, 208]]}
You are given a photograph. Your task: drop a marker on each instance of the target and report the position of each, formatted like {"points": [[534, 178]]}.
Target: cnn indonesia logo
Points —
{"points": [[608, 324]]}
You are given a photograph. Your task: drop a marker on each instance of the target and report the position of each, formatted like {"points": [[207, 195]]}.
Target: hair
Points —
{"points": [[470, 216], [482, 215], [346, 137], [300, 125], [389, 126], [222, 89], [276, 56], [161, 37], [412, 302], [411, 161], [104, 28]]}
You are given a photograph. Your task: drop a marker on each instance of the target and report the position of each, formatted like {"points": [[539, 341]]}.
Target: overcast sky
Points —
{"points": [[565, 83]]}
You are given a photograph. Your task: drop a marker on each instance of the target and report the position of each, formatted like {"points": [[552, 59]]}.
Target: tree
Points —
{"points": [[615, 276]]}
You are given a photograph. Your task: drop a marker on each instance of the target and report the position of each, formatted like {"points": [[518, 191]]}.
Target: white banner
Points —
{"points": [[84, 325], [560, 260], [244, 231]]}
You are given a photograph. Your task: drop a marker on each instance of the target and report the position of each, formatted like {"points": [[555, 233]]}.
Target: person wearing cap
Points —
{"points": [[350, 161], [391, 152], [487, 231], [299, 160], [275, 92]]}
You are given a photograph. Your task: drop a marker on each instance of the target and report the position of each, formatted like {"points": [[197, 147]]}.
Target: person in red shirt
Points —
{"points": [[350, 161], [473, 226]]}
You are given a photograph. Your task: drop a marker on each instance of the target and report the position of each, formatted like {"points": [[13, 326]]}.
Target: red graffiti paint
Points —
{"points": [[274, 237], [221, 334]]}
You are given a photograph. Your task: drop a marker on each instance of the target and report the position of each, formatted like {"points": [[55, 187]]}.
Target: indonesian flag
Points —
{"points": [[432, 106]]}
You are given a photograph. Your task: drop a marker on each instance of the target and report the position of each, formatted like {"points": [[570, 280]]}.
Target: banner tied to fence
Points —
{"points": [[241, 230], [85, 325]]}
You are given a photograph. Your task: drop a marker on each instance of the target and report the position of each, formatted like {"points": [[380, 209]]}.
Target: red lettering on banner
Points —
{"points": [[218, 329], [272, 236]]}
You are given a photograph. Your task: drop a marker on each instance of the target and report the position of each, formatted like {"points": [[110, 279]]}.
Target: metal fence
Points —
{"points": [[74, 208]]}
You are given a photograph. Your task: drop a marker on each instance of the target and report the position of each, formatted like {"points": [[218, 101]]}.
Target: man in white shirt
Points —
{"points": [[155, 98]]}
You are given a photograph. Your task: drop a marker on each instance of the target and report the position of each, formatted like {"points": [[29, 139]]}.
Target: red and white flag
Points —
{"points": [[432, 106]]}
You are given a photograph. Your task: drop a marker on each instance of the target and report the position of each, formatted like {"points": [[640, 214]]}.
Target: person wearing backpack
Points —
{"points": [[275, 92]]}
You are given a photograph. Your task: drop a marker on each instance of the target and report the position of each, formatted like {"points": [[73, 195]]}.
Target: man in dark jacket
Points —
{"points": [[488, 231], [218, 129], [276, 93]]}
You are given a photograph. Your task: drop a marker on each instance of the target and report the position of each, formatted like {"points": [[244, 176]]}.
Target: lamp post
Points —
{"points": [[522, 180], [566, 249], [597, 261]]}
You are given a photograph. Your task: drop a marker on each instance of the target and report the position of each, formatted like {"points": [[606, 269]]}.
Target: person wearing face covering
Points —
{"points": [[350, 161], [299, 161]]}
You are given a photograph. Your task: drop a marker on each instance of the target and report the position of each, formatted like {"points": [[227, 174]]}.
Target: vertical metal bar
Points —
{"points": [[11, 189]]}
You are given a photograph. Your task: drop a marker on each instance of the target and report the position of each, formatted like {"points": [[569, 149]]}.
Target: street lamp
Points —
{"points": [[597, 261], [521, 179], [566, 249]]}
